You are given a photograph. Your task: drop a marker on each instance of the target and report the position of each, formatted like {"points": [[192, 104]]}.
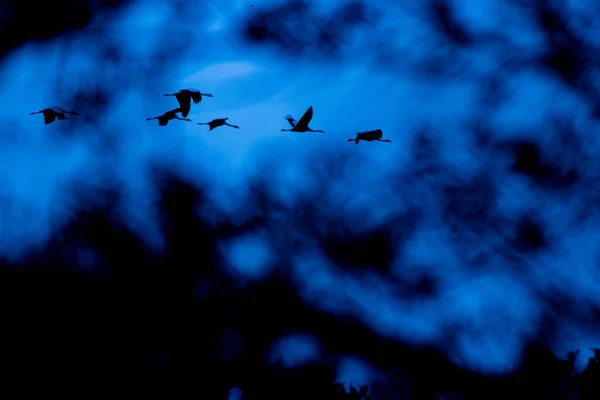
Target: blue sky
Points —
{"points": [[255, 87]]}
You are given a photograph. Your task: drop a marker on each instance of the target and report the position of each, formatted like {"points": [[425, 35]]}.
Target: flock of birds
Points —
{"points": [[185, 97]]}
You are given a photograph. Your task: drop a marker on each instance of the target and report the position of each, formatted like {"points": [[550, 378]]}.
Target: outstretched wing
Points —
{"points": [[196, 96], [185, 102], [371, 135], [303, 123], [291, 120], [172, 113]]}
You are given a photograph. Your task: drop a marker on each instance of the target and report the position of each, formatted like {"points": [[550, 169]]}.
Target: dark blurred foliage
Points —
{"points": [[295, 27], [309, 381], [24, 21], [570, 55], [443, 18], [97, 311], [136, 321]]}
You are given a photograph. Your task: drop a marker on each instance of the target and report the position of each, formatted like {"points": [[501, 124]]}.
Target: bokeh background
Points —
{"points": [[144, 255]]}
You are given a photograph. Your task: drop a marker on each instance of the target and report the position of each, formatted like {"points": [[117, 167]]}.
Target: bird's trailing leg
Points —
{"points": [[231, 125]]}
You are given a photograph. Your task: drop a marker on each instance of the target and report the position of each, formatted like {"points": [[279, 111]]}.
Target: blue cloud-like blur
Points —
{"points": [[356, 372], [235, 394], [295, 349], [489, 311], [250, 256]]}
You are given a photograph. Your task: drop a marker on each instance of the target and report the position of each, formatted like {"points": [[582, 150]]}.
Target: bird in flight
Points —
{"points": [[302, 125], [215, 123], [185, 96], [369, 136], [52, 113], [164, 119]]}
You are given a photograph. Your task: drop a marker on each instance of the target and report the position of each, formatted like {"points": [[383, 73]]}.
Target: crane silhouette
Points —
{"points": [[369, 136], [52, 113], [215, 123], [302, 125], [185, 96], [164, 119]]}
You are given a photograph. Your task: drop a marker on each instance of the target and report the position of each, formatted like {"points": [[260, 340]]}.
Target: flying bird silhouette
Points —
{"points": [[52, 113], [369, 136], [164, 119], [215, 123], [302, 125], [185, 96]]}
